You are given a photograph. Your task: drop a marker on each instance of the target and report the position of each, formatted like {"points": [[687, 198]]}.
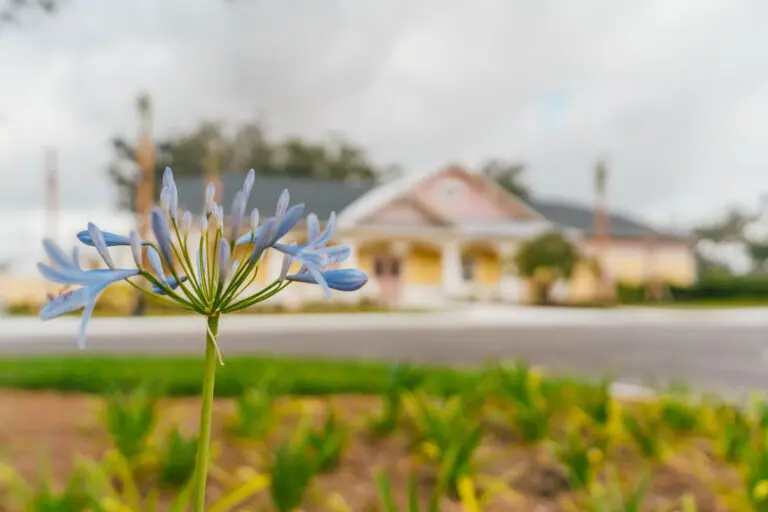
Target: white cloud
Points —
{"points": [[671, 92]]}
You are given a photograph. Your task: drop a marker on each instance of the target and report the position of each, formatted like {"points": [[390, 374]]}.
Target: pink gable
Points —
{"points": [[458, 197], [400, 212]]}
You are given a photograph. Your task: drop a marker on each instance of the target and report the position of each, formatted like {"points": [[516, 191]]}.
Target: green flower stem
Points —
{"points": [[185, 258], [204, 438], [260, 297]]}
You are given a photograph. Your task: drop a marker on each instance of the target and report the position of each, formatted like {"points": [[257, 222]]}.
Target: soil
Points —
{"points": [[53, 429]]}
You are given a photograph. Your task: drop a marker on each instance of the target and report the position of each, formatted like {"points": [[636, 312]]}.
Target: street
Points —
{"points": [[727, 353]]}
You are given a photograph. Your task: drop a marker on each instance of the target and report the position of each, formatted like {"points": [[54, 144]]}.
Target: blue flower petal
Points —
{"points": [[111, 239], [313, 227], [327, 232], [288, 221], [155, 262], [172, 282], [60, 275], [100, 244], [345, 279], [64, 303], [93, 283], [162, 234], [56, 255], [251, 236], [263, 241]]}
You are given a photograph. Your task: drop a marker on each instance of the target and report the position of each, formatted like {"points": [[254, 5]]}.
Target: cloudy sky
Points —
{"points": [[673, 94]]}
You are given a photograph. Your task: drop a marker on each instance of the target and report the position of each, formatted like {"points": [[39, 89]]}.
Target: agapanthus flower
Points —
{"points": [[209, 280]]}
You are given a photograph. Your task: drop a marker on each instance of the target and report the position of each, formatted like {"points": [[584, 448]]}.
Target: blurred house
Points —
{"points": [[429, 238]]}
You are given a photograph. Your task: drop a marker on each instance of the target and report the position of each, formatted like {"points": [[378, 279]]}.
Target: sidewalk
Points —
{"points": [[18, 328]]}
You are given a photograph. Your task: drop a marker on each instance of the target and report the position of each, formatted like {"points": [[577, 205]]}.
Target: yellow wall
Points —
{"points": [[423, 266], [583, 285], [633, 263], [366, 254], [487, 265]]}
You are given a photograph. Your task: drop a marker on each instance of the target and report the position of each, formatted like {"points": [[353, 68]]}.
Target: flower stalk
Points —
{"points": [[206, 413], [215, 284]]}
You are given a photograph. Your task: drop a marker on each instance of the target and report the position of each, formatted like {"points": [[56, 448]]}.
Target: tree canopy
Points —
{"points": [[247, 147], [546, 259], [10, 10], [508, 175]]}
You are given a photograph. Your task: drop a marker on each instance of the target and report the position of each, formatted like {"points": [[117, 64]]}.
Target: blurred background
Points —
{"points": [[633, 129], [576, 185]]}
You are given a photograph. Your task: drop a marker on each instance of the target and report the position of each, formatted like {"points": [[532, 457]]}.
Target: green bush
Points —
{"points": [[631, 293], [723, 288]]}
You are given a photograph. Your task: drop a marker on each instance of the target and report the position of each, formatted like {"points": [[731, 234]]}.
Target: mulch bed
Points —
{"points": [[54, 428]]}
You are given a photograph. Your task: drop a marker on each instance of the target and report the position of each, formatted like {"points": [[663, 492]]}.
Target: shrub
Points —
{"points": [[723, 288], [129, 419]]}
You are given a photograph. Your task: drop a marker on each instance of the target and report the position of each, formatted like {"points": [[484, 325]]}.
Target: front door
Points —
{"points": [[387, 270]]}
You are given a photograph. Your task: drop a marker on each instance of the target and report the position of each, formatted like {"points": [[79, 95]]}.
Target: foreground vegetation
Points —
{"points": [[372, 438]]}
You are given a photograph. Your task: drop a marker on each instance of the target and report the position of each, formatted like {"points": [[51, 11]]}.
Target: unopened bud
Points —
{"points": [[210, 193], [250, 178], [186, 222], [254, 219], [165, 199], [136, 247]]}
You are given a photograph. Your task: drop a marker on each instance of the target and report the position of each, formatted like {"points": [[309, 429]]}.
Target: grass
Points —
{"points": [[156, 309], [707, 304], [182, 376]]}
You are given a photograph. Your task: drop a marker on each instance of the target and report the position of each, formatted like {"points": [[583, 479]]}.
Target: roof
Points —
{"points": [[321, 196], [582, 218], [381, 195], [353, 199]]}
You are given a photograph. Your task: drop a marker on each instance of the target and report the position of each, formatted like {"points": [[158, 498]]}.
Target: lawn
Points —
{"points": [[320, 435]]}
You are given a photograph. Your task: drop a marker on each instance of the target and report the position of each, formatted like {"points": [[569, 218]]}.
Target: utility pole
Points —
{"points": [[145, 157], [602, 229], [51, 198], [145, 184]]}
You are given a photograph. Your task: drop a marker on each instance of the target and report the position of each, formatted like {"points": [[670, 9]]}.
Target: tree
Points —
{"points": [[729, 229], [11, 9], [544, 260], [248, 147], [508, 175], [758, 253]]}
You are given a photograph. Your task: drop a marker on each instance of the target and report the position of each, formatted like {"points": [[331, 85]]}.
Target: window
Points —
{"points": [[378, 267], [468, 268]]}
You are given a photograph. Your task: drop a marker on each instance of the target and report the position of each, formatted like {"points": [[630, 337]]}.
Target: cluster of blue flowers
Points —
{"points": [[210, 282]]}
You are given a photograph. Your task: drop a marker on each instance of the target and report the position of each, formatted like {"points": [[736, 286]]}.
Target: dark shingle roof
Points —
{"points": [[323, 196], [582, 218], [320, 196]]}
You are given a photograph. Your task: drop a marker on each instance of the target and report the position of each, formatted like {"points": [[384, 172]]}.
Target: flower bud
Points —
{"points": [[254, 219], [165, 199], [136, 247], [250, 178], [186, 223], [224, 255], [237, 213], [210, 193], [218, 214]]}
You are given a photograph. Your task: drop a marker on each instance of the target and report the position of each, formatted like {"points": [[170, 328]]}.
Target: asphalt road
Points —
{"points": [[728, 358]]}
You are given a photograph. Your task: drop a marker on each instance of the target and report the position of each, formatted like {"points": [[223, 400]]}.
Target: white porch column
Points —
{"points": [[451, 260], [510, 284]]}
